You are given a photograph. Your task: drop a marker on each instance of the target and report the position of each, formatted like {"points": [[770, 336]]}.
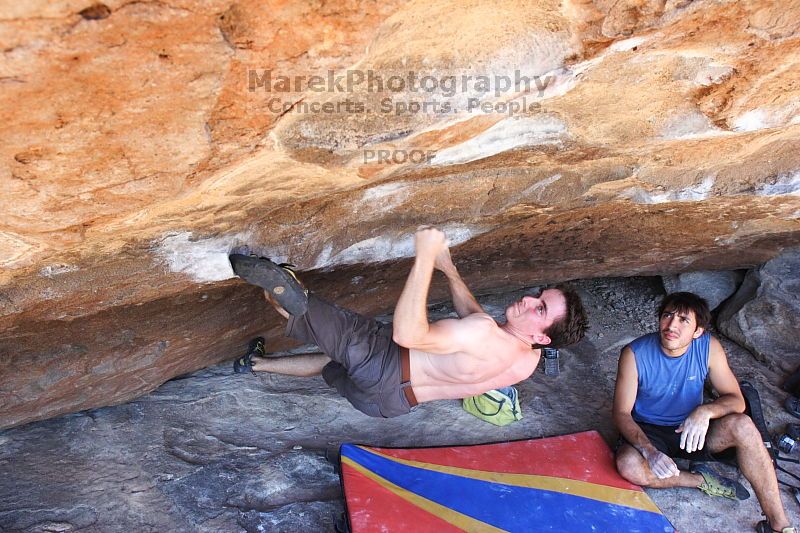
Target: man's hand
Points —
{"points": [[660, 463], [444, 262], [693, 430], [429, 242]]}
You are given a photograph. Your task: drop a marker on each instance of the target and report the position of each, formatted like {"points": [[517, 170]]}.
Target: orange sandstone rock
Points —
{"points": [[551, 140]]}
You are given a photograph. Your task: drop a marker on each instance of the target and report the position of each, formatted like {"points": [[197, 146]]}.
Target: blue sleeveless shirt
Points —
{"points": [[669, 387]]}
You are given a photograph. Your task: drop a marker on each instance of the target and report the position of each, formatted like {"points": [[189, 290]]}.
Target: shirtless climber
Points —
{"points": [[385, 370]]}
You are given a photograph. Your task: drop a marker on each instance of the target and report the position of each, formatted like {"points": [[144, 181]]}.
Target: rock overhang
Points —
{"points": [[650, 142]]}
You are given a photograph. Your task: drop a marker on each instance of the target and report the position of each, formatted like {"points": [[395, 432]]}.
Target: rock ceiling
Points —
{"points": [[551, 140]]}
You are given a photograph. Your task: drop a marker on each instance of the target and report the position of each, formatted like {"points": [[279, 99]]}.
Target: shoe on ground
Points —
{"points": [[764, 527], [245, 362], [279, 281], [716, 485]]}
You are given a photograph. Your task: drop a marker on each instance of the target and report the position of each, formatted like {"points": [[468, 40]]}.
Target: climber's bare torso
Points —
{"points": [[492, 359], [456, 358]]}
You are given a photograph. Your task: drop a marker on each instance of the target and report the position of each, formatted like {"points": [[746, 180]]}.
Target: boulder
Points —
{"points": [[764, 314], [714, 286]]}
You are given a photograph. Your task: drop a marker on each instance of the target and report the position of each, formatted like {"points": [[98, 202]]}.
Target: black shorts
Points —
{"points": [[366, 361], [667, 441]]}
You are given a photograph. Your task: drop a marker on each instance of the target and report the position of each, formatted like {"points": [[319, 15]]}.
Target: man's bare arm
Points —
{"points": [[624, 398], [463, 299], [730, 400], [411, 313], [411, 327]]}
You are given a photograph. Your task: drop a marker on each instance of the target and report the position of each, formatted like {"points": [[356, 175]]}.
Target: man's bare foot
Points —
{"points": [[281, 311]]}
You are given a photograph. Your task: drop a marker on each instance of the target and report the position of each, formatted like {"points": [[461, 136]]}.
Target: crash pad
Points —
{"points": [[563, 483]]}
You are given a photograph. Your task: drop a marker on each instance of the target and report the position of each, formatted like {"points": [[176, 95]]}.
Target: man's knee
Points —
{"points": [[631, 466], [734, 430], [739, 428]]}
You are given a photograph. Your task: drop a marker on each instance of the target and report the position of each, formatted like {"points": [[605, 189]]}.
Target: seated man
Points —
{"points": [[659, 411], [385, 370]]}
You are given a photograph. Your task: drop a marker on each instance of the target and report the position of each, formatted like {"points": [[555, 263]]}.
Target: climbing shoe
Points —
{"points": [[716, 485], [245, 362], [764, 527], [279, 281]]}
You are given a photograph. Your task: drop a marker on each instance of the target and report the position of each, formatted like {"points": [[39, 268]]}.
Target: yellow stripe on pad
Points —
{"points": [[634, 499]]}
